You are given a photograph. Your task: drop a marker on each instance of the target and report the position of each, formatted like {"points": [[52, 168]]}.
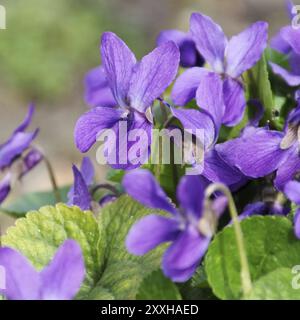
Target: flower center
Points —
{"points": [[125, 114], [207, 224]]}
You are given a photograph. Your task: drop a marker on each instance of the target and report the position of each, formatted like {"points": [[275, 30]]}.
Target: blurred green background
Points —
{"points": [[49, 45]]}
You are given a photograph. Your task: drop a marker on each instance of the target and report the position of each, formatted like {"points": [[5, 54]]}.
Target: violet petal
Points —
{"points": [[118, 62], [152, 75], [62, 278], [90, 125], [186, 85], [246, 48], [150, 232], [142, 186], [210, 40]]}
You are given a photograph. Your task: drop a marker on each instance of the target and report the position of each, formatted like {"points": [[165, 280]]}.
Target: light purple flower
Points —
{"points": [[60, 280], [97, 90], [260, 151], [134, 86], [17, 156], [79, 194], [209, 118], [189, 229], [287, 42], [189, 55], [229, 58], [292, 190]]}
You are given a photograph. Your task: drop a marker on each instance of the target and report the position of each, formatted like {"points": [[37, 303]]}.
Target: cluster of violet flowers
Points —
{"points": [[17, 155], [62, 278], [123, 89], [219, 94]]}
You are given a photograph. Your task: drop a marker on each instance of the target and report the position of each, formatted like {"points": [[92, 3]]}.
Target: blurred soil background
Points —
{"points": [[49, 45]]}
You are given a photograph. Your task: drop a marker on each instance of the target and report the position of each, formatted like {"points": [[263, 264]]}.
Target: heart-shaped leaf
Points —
{"points": [[270, 247], [157, 287], [112, 273]]}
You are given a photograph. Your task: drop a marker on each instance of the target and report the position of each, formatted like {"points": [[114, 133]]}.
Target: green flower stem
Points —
{"points": [[245, 273], [106, 186], [53, 180]]}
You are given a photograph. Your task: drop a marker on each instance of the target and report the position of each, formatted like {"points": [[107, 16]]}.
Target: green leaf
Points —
{"points": [[283, 94], [258, 87], [112, 273], [270, 245], [277, 57], [169, 176], [39, 235], [197, 288], [99, 293], [123, 272], [33, 201], [157, 287], [276, 285]]}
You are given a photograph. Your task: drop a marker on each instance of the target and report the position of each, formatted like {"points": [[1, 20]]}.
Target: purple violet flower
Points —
{"points": [[79, 194], [189, 55], [287, 42], [209, 118], [292, 191], [189, 229], [5, 187], [227, 58], [260, 151], [263, 208], [134, 86], [17, 156], [60, 280], [18, 142], [97, 90], [28, 162]]}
